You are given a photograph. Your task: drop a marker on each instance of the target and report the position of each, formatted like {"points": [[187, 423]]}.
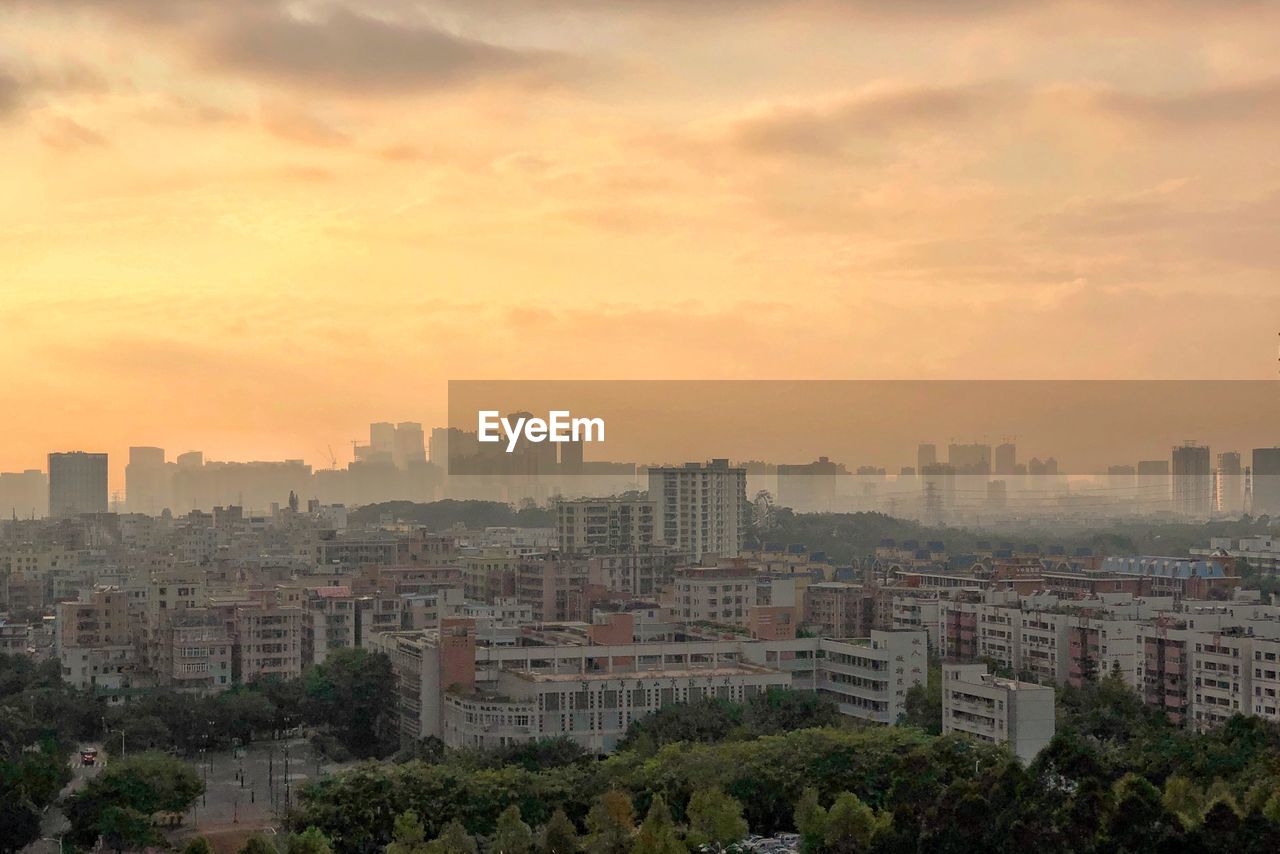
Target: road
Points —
{"points": [[54, 823], [246, 790]]}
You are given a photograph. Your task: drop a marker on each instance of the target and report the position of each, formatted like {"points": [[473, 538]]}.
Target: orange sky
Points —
{"points": [[253, 227]]}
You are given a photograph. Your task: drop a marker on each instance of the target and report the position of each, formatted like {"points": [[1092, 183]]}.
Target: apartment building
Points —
{"points": [[642, 573], [701, 509], [838, 609], [996, 710], [93, 641], [1220, 671], [1164, 670], [1042, 648], [723, 594], [329, 622], [198, 653], [552, 586], [489, 574], [591, 526], [15, 638]]}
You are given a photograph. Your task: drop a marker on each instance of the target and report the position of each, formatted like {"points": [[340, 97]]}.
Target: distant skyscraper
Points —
{"points": [[970, 458], [410, 444], [23, 494], [1228, 486], [77, 483], [146, 481], [926, 455], [1266, 482], [1192, 480], [1005, 460]]}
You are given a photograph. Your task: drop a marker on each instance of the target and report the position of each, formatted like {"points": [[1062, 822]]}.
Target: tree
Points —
{"points": [[923, 706], [198, 845], [258, 844], [610, 824], [310, 841], [454, 839], [785, 710], [811, 822], [715, 819], [123, 827], [353, 693], [410, 837], [512, 835], [119, 802], [559, 836], [709, 721], [19, 823], [852, 825], [657, 834]]}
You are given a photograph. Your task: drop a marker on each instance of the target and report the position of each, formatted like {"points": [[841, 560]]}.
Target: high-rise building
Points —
{"points": [[410, 444], [23, 494], [1005, 460], [971, 458], [810, 487], [926, 455], [701, 508], [1192, 480], [77, 483], [146, 481], [1228, 484], [1266, 482]]}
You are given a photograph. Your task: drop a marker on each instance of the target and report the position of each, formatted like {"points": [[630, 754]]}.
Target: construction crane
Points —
{"points": [[329, 455]]}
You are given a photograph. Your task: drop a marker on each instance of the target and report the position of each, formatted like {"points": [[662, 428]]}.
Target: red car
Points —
{"points": [[89, 756]]}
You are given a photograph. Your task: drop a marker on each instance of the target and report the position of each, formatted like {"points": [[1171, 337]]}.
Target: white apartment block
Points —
{"points": [[996, 710], [605, 525], [701, 508], [1220, 684], [722, 594]]}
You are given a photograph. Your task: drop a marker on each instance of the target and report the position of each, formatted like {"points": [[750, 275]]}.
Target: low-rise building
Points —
{"points": [[996, 710]]}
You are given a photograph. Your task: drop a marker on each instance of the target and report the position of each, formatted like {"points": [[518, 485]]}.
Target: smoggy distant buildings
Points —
{"points": [[77, 483], [1192, 481], [1266, 481]]}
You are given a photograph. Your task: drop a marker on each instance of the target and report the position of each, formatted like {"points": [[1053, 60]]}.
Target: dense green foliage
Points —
{"points": [[350, 697], [37, 713], [713, 720], [1117, 778], [449, 513], [119, 803]]}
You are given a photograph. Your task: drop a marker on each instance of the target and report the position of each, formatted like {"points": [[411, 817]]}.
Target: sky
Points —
{"points": [[252, 227]]}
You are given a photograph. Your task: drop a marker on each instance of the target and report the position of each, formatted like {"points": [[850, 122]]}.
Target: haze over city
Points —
{"points": [[639, 427], [251, 228]]}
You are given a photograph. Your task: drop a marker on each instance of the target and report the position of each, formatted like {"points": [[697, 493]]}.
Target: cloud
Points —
{"points": [[20, 83], [11, 91], [826, 128], [1252, 102], [66, 134], [349, 51]]}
